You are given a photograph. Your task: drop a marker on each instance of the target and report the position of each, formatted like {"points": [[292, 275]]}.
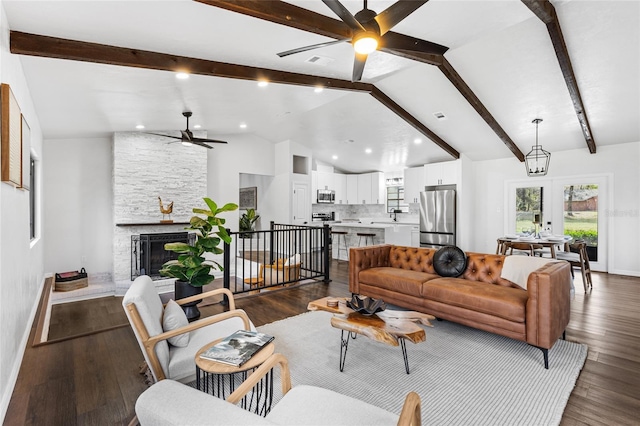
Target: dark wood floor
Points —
{"points": [[94, 380]]}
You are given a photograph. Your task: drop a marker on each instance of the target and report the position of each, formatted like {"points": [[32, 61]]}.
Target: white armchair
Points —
{"points": [[171, 403], [145, 312]]}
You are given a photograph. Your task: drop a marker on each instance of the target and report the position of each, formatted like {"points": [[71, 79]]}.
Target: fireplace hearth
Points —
{"points": [[148, 253]]}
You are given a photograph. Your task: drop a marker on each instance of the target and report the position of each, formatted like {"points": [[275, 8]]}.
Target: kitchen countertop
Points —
{"points": [[366, 225]]}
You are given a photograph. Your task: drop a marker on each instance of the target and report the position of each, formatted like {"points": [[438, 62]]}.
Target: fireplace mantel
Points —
{"points": [[151, 223]]}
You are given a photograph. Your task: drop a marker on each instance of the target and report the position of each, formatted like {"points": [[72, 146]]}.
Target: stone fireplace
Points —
{"points": [[148, 253], [146, 167]]}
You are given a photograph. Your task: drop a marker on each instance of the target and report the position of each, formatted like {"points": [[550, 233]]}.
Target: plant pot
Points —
{"points": [[183, 289]]}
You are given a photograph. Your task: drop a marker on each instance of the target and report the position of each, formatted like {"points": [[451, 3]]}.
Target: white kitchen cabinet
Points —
{"points": [[340, 186], [413, 184], [378, 188], [325, 180], [364, 189], [415, 236], [445, 173], [352, 189]]}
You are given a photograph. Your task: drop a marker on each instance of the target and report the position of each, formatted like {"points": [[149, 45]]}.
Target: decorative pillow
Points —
{"points": [[449, 261], [172, 318], [293, 260]]}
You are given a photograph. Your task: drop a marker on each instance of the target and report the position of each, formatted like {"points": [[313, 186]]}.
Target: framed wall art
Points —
{"points": [[10, 137], [26, 154], [248, 198]]}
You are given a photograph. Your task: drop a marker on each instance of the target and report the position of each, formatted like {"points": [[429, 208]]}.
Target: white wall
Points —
{"points": [[21, 261], [621, 161], [266, 207], [78, 201], [243, 154]]}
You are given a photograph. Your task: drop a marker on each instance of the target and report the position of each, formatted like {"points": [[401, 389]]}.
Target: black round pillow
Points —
{"points": [[450, 261]]}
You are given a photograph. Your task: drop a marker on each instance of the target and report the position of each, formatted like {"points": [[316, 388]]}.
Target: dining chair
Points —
{"points": [[576, 255], [519, 247]]}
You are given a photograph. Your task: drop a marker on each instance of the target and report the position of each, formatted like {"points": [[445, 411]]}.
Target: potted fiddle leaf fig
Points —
{"points": [[192, 269]]}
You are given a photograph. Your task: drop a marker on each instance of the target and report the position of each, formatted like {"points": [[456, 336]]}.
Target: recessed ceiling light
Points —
{"points": [[182, 75], [263, 83], [243, 125], [335, 157], [318, 89], [197, 126], [140, 126], [368, 150], [417, 141]]}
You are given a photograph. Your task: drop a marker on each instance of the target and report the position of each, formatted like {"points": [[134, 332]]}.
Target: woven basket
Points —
{"points": [[68, 281]]}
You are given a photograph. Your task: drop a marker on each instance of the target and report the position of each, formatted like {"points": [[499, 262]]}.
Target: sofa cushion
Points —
{"points": [[504, 302], [449, 261], [412, 258], [396, 279], [486, 268]]}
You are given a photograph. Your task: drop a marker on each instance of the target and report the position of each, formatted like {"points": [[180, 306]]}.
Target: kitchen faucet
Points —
{"points": [[395, 214]]}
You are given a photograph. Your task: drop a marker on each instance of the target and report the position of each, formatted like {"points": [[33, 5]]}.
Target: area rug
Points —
{"points": [[464, 376]]}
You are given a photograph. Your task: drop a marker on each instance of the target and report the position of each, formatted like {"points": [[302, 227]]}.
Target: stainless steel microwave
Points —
{"points": [[326, 196]]}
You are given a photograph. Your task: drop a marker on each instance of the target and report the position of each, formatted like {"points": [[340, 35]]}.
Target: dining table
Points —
{"points": [[545, 242]]}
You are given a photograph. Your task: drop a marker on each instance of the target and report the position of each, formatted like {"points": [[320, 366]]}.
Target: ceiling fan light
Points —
{"points": [[186, 143], [365, 42]]}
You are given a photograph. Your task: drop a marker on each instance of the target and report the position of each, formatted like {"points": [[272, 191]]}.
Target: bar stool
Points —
{"points": [[336, 240], [367, 237]]}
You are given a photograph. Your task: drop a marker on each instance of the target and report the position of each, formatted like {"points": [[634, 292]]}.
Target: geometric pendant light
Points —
{"points": [[537, 160]]}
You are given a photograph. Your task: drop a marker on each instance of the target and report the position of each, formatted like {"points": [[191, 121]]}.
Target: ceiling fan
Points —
{"points": [[371, 32], [187, 137]]}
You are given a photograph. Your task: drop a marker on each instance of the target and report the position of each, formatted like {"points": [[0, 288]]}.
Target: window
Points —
{"points": [[395, 199], [528, 209], [32, 199]]}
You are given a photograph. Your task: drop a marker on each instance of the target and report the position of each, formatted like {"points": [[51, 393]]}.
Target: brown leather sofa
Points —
{"points": [[479, 298]]}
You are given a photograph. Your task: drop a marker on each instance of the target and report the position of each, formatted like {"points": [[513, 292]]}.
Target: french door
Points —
{"points": [[564, 206]]}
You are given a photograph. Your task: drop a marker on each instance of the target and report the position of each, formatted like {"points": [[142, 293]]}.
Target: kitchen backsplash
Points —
{"points": [[375, 211]]}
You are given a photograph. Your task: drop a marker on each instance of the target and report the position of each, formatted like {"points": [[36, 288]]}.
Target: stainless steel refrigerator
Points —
{"points": [[438, 217]]}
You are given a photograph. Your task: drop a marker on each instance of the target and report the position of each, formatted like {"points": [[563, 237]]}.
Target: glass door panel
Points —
{"points": [[580, 216], [529, 207]]}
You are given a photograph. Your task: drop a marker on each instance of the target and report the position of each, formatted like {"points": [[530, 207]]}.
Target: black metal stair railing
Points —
{"points": [[282, 255]]}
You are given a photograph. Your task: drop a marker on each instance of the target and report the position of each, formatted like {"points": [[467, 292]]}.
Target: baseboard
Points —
{"points": [[13, 378], [623, 272]]}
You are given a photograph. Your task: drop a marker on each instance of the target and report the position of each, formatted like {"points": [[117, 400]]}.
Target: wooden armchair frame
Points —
{"points": [[150, 342], [411, 410]]}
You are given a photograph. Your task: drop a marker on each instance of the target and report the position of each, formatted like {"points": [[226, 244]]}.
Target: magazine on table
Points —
{"points": [[237, 348]]}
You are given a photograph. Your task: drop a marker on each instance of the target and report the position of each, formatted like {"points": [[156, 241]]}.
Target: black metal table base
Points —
{"points": [[344, 345], [258, 400]]}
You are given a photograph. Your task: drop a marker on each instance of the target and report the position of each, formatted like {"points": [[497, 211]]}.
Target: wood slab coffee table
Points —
{"points": [[389, 326]]}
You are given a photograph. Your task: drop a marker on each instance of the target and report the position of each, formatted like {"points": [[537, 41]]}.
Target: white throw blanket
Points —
{"points": [[517, 268]]}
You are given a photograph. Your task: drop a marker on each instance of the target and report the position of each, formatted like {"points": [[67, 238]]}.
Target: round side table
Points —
{"points": [[221, 379]]}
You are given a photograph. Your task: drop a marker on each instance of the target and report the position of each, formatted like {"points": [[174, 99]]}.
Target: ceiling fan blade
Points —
{"points": [[310, 47], [195, 142], [395, 41], [395, 13], [358, 66], [344, 14], [202, 140], [164, 136]]}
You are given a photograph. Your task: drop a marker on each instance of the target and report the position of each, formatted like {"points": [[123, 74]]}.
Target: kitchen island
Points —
{"points": [[385, 233]]}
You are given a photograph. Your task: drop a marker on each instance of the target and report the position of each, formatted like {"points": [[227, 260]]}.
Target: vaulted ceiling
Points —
{"points": [[107, 66]]}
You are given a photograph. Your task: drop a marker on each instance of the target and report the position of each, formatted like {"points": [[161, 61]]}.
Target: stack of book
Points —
{"points": [[237, 348]]}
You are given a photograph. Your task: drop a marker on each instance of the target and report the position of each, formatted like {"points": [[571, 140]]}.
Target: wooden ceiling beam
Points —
{"points": [[52, 47], [401, 112], [447, 69], [303, 19], [545, 11]]}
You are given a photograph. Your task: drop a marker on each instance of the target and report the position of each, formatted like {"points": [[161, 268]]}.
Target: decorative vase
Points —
{"points": [[183, 289]]}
